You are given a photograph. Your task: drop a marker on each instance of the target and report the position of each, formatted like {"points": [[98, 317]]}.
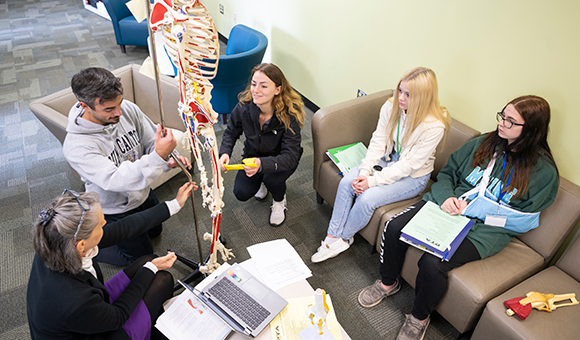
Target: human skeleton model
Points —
{"points": [[521, 307], [191, 40]]}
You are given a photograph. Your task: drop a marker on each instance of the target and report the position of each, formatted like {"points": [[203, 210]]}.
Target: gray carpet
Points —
{"points": [[42, 44]]}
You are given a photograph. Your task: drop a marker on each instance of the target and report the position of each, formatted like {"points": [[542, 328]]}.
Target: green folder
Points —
{"points": [[348, 156]]}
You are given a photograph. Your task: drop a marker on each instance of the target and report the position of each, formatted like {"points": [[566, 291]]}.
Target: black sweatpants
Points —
{"points": [[246, 187], [431, 281]]}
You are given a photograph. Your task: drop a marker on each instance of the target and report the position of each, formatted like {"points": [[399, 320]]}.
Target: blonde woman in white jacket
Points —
{"points": [[398, 162]]}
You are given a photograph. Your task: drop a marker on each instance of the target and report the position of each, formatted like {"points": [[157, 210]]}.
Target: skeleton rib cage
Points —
{"points": [[191, 41]]}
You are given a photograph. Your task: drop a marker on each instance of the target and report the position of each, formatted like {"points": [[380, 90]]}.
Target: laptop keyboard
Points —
{"points": [[244, 306]]}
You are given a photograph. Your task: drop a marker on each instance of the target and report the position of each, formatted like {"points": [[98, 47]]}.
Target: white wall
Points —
{"points": [[485, 53]]}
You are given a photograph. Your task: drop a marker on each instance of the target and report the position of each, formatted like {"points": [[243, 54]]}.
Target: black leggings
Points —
{"points": [[431, 281], [246, 187], [159, 291]]}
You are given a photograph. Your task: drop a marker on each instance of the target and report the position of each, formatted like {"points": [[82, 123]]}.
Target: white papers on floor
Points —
{"points": [[278, 263], [187, 318], [293, 319]]}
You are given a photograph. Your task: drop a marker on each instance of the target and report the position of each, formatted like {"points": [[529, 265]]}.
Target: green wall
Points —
{"points": [[485, 53]]}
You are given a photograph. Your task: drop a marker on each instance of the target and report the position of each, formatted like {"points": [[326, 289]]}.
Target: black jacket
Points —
{"points": [[277, 147], [66, 306]]}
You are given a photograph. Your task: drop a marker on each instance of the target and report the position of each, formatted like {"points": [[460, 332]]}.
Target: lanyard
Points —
{"points": [[502, 194]]}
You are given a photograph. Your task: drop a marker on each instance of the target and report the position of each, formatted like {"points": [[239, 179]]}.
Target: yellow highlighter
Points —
{"points": [[246, 161]]}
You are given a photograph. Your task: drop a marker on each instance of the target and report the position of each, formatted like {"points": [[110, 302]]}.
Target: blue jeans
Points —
{"points": [[348, 217]]}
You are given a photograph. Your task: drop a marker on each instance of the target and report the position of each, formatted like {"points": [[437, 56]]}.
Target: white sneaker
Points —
{"points": [[262, 193], [278, 216], [326, 251]]}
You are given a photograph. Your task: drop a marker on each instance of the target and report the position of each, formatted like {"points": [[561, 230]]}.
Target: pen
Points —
{"points": [[445, 255]]}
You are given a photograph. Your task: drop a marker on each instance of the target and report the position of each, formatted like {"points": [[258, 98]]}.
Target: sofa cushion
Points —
{"points": [[559, 324]]}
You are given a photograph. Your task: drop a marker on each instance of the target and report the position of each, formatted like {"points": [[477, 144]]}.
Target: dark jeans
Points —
{"points": [[431, 281], [246, 187], [126, 252]]}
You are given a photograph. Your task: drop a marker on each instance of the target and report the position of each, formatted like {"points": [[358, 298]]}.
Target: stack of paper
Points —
{"points": [[435, 231], [278, 263], [189, 319]]}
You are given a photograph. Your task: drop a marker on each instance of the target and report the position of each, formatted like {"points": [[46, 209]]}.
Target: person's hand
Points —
{"points": [[453, 206], [252, 170], [360, 184], [184, 192], [164, 145], [173, 164], [224, 160], [164, 262]]}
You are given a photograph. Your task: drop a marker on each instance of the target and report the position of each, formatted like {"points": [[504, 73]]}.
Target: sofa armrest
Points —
{"points": [[52, 111], [345, 123]]}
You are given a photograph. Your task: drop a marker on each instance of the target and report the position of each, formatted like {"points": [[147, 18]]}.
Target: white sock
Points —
{"points": [[330, 240]]}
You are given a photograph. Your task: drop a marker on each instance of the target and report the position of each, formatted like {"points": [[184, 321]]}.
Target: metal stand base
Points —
{"points": [[195, 275]]}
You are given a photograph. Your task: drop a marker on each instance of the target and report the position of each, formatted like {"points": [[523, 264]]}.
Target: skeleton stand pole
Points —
{"points": [[173, 155]]}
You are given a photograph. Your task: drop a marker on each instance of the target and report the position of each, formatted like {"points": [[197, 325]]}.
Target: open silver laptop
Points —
{"points": [[241, 300]]}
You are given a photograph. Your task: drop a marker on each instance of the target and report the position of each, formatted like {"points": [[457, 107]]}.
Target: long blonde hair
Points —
{"points": [[287, 104], [423, 102]]}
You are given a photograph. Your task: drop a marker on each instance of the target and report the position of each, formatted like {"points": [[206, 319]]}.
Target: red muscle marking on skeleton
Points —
{"points": [[191, 41]]}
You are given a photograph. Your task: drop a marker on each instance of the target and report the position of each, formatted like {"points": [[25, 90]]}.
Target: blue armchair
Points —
{"points": [[245, 49], [127, 30]]}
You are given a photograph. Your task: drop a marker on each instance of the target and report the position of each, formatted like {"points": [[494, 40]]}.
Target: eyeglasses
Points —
{"points": [[508, 123], [83, 204]]}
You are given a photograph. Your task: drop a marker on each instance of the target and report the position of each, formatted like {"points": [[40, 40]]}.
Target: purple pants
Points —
{"points": [[139, 324]]}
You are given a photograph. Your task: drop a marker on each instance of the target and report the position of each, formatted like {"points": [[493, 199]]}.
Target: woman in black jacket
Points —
{"points": [[66, 297], [270, 114]]}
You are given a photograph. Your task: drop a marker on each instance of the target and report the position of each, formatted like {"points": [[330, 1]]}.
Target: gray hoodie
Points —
{"points": [[117, 161]]}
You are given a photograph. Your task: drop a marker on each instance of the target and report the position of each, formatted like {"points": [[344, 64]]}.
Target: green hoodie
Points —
{"points": [[458, 176]]}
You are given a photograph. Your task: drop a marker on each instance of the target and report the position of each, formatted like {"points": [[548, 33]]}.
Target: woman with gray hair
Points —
{"points": [[67, 297]]}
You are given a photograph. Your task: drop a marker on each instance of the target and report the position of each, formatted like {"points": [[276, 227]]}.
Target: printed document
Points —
{"points": [[278, 263], [188, 318]]}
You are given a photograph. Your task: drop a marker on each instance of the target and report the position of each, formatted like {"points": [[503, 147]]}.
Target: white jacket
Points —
{"points": [[417, 155]]}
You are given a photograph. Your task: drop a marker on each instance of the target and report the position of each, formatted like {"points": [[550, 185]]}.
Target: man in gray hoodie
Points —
{"points": [[118, 152]]}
